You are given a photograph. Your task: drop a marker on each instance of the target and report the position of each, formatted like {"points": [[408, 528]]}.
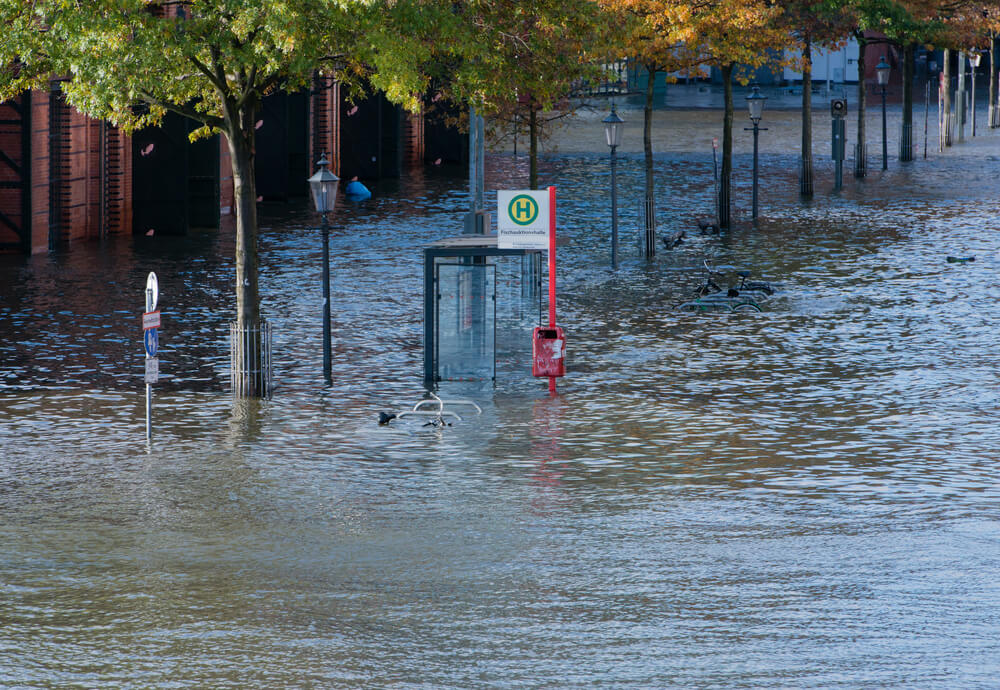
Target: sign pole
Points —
{"points": [[552, 271], [149, 387], [150, 342], [521, 224]]}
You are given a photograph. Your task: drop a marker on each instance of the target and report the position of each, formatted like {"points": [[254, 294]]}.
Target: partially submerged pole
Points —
{"points": [[552, 271]]}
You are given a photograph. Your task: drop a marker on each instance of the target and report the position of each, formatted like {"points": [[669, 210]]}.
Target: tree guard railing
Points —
{"points": [[251, 373]]}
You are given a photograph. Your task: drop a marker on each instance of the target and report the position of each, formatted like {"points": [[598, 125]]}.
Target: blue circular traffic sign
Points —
{"points": [[151, 341]]}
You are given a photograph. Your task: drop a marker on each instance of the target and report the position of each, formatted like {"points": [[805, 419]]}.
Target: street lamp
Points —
{"points": [[975, 57], [755, 104], [324, 191], [613, 134], [882, 71]]}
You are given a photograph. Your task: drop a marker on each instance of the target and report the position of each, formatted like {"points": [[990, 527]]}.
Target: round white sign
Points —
{"points": [[152, 292]]}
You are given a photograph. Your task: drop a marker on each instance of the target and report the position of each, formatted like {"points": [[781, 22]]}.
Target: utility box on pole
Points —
{"points": [[838, 148], [839, 140]]}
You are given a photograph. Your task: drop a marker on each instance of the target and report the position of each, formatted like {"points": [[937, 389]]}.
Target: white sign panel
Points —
{"points": [[523, 219], [152, 292], [150, 319], [152, 370]]}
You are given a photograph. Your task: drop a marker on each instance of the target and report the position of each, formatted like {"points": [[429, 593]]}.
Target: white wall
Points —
{"points": [[837, 66]]}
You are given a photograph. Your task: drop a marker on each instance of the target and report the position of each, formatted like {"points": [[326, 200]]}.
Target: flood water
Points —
{"points": [[802, 497]]}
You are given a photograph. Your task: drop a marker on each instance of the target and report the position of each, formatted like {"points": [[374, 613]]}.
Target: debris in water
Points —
{"points": [[673, 239]]}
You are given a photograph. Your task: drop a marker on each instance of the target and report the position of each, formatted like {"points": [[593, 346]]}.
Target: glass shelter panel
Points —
{"points": [[466, 322], [518, 312]]}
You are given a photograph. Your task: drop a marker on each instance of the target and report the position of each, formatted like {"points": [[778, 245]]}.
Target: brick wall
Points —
{"points": [[81, 175], [414, 148], [117, 179], [14, 166], [324, 122], [40, 184], [227, 199]]}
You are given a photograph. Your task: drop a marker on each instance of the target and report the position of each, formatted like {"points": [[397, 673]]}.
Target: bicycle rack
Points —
{"points": [[440, 413]]}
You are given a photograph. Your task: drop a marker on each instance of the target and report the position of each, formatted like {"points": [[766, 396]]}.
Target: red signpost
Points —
{"points": [[548, 345], [521, 225]]}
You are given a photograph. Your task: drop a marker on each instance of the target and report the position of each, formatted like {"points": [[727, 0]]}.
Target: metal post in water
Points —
{"points": [[972, 97], [149, 387], [927, 112], [885, 146], [960, 103], [715, 174], [838, 146], [942, 116], [756, 131], [552, 271], [327, 367], [614, 211]]}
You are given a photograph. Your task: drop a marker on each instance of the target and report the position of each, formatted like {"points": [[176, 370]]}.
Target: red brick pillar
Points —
{"points": [[413, 139], [227, 193], [81, 184], [117, 190], [324, 123], [39, 175]]}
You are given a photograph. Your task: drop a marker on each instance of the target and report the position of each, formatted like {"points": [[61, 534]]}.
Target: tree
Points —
{"points": [[732, 35], [900, 22], [133, 61], [916, 23], [518, 60], [811, 23], [965, 26], [648, 31], [954, 24]]}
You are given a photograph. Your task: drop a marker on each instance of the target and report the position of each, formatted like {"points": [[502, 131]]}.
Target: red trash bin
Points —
{"points": [[548, 351]]}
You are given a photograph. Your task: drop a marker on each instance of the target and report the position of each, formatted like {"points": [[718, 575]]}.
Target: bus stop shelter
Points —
{"points": [[460, 307]]}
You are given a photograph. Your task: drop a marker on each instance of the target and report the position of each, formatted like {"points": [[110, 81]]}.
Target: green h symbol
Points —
{"points": [[523, 210]]}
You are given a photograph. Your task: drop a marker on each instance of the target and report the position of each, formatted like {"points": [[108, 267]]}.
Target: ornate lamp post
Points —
{"points": [[882, 70], [324, 191], [755, 106], [613, 135]]}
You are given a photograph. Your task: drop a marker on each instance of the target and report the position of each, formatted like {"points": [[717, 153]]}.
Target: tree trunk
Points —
{"points": [[533, 148], [946, 97], [649, 238], [240, 132], [805, 173], [906, 136], [994, 75], [727, 149], [861, 150]]}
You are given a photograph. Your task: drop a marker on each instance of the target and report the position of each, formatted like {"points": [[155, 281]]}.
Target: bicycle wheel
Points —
{"points": [[746, 306]]}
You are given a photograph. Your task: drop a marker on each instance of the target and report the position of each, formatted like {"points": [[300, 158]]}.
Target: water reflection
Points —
{"points": [[803, 496]]}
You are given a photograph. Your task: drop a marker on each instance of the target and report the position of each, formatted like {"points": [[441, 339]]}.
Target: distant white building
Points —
{"points": [[830, 66]]}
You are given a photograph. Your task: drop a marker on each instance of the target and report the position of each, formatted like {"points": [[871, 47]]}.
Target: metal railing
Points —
{"points": [[619, 79], [251, 374]]}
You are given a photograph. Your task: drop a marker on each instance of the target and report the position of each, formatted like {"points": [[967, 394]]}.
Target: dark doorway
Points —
{"points": [[444, 143], [282, 146], [175, 183], [371, 134]]}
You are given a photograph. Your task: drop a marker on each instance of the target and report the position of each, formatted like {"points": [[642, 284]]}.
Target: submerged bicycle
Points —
{"points": [[743, 296]]}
